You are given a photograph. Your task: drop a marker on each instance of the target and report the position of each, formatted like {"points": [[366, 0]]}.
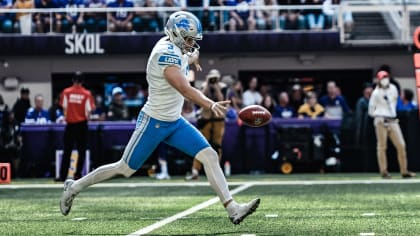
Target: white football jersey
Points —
{"points": [[164, 101]]}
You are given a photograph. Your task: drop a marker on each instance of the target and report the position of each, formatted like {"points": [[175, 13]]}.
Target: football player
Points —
{"points": [[160, 119]]}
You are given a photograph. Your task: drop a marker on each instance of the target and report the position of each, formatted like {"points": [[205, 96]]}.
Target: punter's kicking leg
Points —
{"points": [[143, 141], [189, 140]]}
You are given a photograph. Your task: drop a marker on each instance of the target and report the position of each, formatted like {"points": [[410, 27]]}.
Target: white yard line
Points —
{"points": [[190, 184], [187, 212]]}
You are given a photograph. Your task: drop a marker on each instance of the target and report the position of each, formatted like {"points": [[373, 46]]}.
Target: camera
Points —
{"points": [[213, 80]]}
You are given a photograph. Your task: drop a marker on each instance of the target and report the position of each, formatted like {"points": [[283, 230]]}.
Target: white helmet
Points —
{"points": [[183, 25]]}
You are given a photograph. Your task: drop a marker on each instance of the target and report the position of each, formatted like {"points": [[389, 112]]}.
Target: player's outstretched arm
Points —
{"points": [[176, 78]]}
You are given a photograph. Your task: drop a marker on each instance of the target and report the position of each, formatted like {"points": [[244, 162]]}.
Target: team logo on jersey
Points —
{"points": [[167, 59]]}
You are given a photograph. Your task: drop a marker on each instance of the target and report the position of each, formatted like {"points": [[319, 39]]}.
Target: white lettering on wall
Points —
{"points": [[83, 44], [76, 98]]}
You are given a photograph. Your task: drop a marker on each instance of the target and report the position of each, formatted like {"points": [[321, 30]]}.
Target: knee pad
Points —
{"points": [[124, 169], [207, 156]]}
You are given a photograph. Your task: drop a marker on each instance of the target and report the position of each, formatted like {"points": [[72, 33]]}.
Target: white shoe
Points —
{"points": [[67, 197], [192, 177], [162, 176], [240, 212]]}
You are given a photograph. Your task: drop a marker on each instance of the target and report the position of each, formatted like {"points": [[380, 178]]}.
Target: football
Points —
{"points": [[255, 115]]}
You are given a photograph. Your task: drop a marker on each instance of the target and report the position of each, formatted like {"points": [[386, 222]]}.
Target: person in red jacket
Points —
{"points": [[77, 103]]}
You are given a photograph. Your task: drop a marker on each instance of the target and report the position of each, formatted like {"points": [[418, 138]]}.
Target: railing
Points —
{"points": [[396, 15], [165, 11]]}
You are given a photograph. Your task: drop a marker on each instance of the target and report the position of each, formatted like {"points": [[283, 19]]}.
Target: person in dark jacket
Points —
{"points": [[22, 105]]}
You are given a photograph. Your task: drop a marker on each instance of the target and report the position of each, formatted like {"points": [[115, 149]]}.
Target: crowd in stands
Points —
{"points": [[322, 16]]}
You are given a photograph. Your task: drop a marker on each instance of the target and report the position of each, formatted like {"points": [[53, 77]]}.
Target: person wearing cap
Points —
{"points": [[77, 103], [296, 97], [22, 105], [117, 110], [212, 127], [382, 107]]}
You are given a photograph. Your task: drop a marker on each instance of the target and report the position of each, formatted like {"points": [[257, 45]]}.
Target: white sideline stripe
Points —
{"points": [[369, 214], [189, 211], [188, 184]]}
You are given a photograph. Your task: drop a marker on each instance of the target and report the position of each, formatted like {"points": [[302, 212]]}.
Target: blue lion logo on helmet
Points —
{"points": [[187, 25], [184, 23]]}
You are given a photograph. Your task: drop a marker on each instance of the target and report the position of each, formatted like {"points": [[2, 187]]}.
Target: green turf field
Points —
{"points": [[290, 205]]}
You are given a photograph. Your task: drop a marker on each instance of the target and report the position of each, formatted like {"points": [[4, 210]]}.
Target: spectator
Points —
{"points": [[210, 17], [207, 17], [296, 97], [22, 105], [265, 90], [291, 19], [117, 110], [163, 163], [225, 15], [55, 112], [43, 20], [77, 103], [6, 24], [99, 113], [242, 18], [23, 22], [235, 94], [266, 19], [361, 114], [268, 103], [405, 103], [393, 81], [311, 108], [168, 3], [335, 105], [315, 17], [188, 111], [3, 109], [74, 20], [37, 114], [329, 9], [95, 21], [147, 21], [382, 107], [10, 142], [120, 20], [212, 127], [251, 96], [283, 109], [330, 13]]}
